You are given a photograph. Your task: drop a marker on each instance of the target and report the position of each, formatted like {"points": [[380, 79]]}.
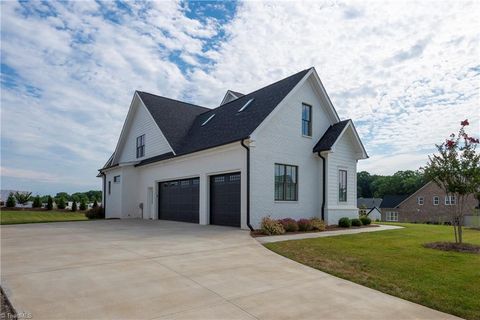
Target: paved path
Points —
{"points": [[324, 234], [122, 269]]}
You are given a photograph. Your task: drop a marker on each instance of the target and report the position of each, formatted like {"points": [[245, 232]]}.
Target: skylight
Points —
{"points": [[209, 118], [245, 105]]}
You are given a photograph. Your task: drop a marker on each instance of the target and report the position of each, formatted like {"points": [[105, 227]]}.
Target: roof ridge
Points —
{"points": [[156, 95], [269, 85]]}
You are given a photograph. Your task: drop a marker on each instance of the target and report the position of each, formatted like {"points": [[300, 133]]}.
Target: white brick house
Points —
{"points": [[280, 151]]}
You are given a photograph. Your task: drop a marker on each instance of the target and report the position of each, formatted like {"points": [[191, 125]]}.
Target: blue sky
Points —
{"points": [[407, 73]]}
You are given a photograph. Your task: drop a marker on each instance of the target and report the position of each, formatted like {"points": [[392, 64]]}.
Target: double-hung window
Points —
{"points": [[420, 201], [141, 146], [436, 200], [306, 120], [450, 200], [342, 185], [391, 216], [286, 182]]}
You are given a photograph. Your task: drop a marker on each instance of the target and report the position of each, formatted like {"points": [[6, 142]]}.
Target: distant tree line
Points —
{"points": [[377, 186], [61, 199]]}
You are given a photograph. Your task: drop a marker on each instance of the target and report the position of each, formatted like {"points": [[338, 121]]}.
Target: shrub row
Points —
{"points": [[347, 222], [271, 226]]}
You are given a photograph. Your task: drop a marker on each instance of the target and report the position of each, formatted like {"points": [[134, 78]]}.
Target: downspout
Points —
{"points": [[104, 198], [248, 184], [323, 184]]}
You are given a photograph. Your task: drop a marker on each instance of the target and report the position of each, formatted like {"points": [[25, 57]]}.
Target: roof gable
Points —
{"points": [[172, 116], [333, 135], [369, 202], [231, 95]]}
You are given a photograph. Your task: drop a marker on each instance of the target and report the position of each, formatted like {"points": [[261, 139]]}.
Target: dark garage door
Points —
{"points": [[178, 200], [225, 199]]}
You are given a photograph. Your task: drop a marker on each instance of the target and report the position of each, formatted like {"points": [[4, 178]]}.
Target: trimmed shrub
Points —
{"points": [[49, 203], [289, 224], [356, 222], [83, 204], [95, 213], [271, 227], [365, 220], [317, 224], [74, 206], [61, 203], [304, 225], [10, 201], [37, 203], [344, 222]]}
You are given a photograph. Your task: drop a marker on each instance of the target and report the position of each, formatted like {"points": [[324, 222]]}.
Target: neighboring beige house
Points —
{"points": [[427, 204]]}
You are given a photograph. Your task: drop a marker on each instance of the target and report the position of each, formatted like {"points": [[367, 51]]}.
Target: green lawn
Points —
{"points": [[16, 217], [395, 262]]}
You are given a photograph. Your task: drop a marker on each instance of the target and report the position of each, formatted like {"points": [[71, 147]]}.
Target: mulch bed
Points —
{"points": [[7, 311], [258, 233], [452, 246]]}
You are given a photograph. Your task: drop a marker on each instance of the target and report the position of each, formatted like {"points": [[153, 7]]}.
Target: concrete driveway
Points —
{"points": [[132, 269]]}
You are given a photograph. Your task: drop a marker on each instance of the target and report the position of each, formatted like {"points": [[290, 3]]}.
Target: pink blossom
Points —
{"points": [[450, 144], [465, 122]]}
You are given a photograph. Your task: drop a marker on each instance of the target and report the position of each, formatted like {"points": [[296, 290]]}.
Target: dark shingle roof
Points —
{"points": [[181, 122], [229, 125], [392, 201], [173, 117], [330, 136], [369, 202]]}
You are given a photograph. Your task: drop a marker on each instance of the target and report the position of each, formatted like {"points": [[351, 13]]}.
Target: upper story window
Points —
{"points": [[286, 182], [342, 185], [420, 201], [116, 179], [450, 200], [436, 200], [306, 120], [141, 146]]}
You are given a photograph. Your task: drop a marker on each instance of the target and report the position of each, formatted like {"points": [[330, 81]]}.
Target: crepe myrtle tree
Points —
{"points": [[22, 197], [456, 169]]}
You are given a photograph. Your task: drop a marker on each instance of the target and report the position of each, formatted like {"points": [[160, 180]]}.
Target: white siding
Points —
{"points": [[126, 196], [140, 123], [280, 140], [343, 157], [113, 200]]}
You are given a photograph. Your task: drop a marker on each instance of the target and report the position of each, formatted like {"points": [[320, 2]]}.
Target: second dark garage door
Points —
{"points": [[225, 199], [178, 200]]}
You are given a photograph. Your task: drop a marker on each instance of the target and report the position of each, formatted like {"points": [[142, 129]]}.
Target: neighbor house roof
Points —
{"points": [[369, 202], [392, 201], [238, 94]]}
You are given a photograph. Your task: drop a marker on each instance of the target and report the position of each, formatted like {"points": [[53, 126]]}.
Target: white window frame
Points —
{"points": [[450, 200], [391, 216], [436, 200], [340, 172], [420, 201]]}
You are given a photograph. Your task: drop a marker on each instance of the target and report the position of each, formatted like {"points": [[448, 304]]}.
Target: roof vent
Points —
{"points": [[245, 105], [209, 118]]}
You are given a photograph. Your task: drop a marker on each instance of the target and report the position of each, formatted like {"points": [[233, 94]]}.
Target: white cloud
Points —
{"points": [[405, 72]]}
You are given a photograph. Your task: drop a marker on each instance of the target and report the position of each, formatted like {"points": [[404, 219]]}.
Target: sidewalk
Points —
{"points": [[309, 235]]}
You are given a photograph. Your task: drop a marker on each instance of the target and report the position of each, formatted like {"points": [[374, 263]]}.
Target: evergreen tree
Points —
{"points": [[37, 203], [83, 204], [74, 206], [95, 203], [49, 203], [61, 203], [11, 201]]}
